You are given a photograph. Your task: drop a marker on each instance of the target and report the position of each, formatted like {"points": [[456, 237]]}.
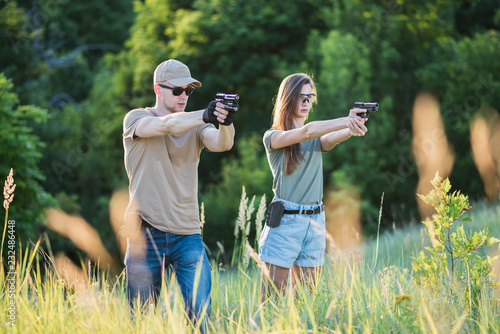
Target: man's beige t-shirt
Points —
{"points": [[163, 176]]}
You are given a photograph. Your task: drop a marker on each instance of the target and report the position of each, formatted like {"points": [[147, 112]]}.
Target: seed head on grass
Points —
{"points": [[261, 215], [261, 264], [8, 190], [8, 194], [202, 214], [241, 220], [248, 217], [331, 307]]}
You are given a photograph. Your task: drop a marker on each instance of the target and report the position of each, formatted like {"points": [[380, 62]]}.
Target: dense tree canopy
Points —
{"points": [[20, 150]]}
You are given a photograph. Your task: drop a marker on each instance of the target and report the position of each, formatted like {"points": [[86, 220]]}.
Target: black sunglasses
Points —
{"points": [[178, 90]]}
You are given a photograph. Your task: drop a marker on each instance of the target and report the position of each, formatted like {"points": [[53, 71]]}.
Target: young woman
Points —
{"points": [[294, 151]]}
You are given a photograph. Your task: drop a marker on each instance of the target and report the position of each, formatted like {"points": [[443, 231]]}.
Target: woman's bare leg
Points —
{"points": [[278, 276], [307, 276]]}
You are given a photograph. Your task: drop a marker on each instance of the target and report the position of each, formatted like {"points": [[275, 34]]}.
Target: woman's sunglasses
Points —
{"points": [[178, 90], [303, 98]]}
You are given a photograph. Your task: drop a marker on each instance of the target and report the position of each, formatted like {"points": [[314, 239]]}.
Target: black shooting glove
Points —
{"points": [[231, 113], [208, 114]]}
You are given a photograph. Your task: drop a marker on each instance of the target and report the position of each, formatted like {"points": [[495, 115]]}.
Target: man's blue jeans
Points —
{"points": [[155, 251]]}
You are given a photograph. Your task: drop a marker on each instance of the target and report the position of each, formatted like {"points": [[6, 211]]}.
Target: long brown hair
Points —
{"points": [[287, 104]]}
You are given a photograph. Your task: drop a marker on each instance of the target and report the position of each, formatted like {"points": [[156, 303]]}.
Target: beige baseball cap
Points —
{"points": [[175, 73]]}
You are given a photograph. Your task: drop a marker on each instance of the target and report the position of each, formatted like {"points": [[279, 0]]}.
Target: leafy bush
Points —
{"points": [[20, 150], [451, 245]]}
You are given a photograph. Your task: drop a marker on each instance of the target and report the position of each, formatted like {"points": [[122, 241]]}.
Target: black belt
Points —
{"points": [[308, 212]]}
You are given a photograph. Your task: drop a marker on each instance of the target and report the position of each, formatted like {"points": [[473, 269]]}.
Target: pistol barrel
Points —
{"points": [[369, 106]]}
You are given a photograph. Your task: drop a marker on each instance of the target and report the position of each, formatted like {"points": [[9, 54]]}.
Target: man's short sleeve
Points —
{"points": [[131, 121], [200, 130]]}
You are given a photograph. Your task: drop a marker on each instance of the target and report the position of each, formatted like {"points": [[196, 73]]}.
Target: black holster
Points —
{"points": [[275, 213]]}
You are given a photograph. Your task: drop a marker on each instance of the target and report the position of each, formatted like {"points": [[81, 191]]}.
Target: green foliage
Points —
{"points": [[208, 36], [53, 50], [20, 150], [466, 77], [87, 167], [451, 245], [362, 59], [477, 15], [388, 52], [248, 169], [15, 42], [53, 47]]}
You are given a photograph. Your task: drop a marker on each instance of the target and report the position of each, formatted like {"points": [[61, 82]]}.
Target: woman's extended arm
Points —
{"points": [[309, 131], [316, 129], [355, 127]]}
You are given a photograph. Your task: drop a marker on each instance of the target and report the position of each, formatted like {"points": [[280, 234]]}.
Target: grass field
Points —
{"points": [[367, 290]]}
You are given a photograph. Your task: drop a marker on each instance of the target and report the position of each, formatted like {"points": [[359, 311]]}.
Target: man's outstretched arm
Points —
{"points": [[219, 140], [179, 122], [170, 124]]}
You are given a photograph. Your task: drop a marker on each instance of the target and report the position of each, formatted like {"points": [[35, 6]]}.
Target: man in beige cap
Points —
{"points": [[162, 151]]}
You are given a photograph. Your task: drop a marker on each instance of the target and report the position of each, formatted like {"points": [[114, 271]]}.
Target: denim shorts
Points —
{"points": [[298, 240]]}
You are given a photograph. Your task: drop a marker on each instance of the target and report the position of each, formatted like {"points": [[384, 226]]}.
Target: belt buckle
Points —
{"points": [[309, 212]]}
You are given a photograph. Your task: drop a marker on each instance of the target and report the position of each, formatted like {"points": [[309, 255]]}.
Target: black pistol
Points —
{"points": [[369, 106], [230, 100]]}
